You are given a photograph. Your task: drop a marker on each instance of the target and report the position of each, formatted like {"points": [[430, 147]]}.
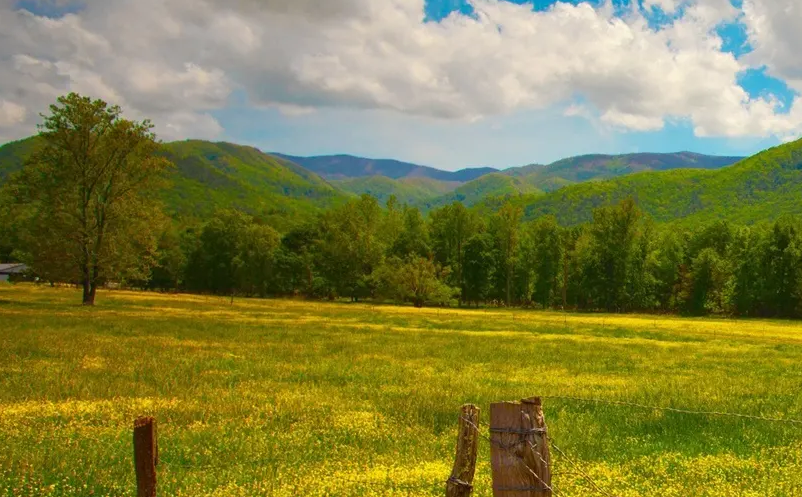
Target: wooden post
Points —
{"points": [[519, 454], [538, 454], [460, 484], [146, 456]]}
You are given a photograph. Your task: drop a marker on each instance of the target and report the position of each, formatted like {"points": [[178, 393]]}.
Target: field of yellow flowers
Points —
{"points": [[290, 398]]}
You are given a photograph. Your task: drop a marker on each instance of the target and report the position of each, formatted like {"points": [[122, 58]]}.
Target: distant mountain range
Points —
{"points": [[429, 187], [348, 166], [283, 188], [537, 179]]}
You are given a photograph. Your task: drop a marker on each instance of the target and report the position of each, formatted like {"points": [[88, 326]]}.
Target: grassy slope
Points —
{"points": [[287, 398], [213, 175], [758, 188], [407, 190]]}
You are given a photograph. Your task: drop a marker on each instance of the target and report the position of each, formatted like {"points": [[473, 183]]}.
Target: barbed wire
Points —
{"points": [[677, 410], [580, 470], [508, 449]]}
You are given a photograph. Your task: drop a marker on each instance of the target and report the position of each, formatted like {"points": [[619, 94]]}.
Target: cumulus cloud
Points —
{"points": [[177, 61], [773, 27]]}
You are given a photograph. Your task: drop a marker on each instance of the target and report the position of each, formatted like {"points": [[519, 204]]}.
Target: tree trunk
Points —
{"points": [[89, 292], [509, 285], [459, 270]]}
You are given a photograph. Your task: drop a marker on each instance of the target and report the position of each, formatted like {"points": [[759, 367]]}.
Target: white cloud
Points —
{"points": [[774, 33], [11, 114], [176, 61]]}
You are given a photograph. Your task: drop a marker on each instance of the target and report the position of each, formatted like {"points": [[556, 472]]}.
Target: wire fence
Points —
{"points": [[751, 417], [114, 443]]}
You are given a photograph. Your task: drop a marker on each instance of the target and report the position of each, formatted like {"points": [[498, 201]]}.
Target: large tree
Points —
{"points": [[234, 254], [85, 202], [545, 256], [350, 247], [506, 226], [451, 228], [615, 230]]}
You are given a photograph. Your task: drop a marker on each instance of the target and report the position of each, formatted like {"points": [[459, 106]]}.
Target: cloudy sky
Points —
{"points": [[450, 83]]}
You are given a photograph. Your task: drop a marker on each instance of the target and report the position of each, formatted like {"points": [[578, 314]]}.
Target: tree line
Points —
{"points": [[85, 210], [618, 262]]}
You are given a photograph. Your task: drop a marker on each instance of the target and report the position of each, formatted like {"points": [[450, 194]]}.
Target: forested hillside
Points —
{"points": [[413, 191], [535, 178], [490, 185], [215, 175], [759, 188], [14, 154], [208, 176]]}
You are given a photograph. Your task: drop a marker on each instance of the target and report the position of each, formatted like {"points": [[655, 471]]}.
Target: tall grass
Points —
{"points": [[287, 398]]}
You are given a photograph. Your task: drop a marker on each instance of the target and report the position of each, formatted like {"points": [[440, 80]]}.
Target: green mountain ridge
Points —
{"points": [[341, 167], [759, 188], [412, 191], [208, 176], [535, 178]]}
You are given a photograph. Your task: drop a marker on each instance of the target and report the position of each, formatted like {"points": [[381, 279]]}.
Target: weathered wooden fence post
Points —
{"points": [[146, 456], [460, 484], [519, 453]]}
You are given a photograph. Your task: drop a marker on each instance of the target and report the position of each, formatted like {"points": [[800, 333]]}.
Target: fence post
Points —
{"points": [[460, 484], [519, 454], [146, 456]]}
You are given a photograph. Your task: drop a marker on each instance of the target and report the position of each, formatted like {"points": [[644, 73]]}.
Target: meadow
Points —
{"points": [[286, 398]]}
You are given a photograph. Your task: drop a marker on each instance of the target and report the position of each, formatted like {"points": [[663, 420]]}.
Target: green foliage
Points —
{"points": [[82, 205], [533, 180], [759, 188], [412, 191], [210, 176], [414, 279], [545, 257], [350, 248], [490, 185], [451, 227], [233, 255], [478, 262], [505, 227]]}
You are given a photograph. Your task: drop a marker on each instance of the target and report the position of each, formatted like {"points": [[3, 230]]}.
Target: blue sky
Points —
{"points": [[504, 105]]}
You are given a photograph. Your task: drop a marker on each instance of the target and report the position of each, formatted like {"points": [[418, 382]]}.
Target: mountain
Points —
{"points": [[536, 178], [412, 191], [762, 187], [348, 166], [14, 154], [490, 185], [209, 175], [598, 167]]}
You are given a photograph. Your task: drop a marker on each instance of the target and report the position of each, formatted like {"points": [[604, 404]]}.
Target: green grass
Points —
{"points": [[287, 398]]}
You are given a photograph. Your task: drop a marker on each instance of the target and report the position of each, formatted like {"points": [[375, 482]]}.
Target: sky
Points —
{"points": [[446, 83]]}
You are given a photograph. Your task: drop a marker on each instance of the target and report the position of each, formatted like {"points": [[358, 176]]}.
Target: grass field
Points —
{"points": [[293, 398]]}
